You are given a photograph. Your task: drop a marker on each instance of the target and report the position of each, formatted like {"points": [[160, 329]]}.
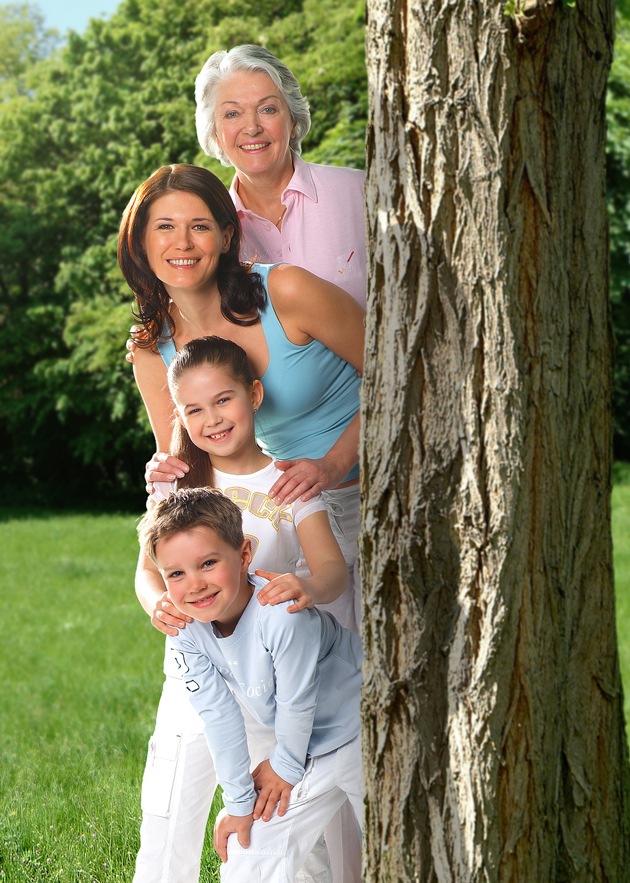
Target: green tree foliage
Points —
{"points": [[98, 116], [618, 174], [81, 124], [24, 40]]}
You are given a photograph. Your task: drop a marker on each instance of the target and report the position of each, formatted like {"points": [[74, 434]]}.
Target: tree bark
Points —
{"points": [[494, 739]]}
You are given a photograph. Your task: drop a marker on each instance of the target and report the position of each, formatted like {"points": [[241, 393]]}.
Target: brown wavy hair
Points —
{"points": [[242, 293]]}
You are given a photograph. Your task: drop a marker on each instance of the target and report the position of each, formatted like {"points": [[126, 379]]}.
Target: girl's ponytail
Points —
{"points": [[200, 469]]}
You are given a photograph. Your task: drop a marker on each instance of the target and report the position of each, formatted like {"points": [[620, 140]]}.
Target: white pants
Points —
{"points": [[344, 515], [342, 834], [280, 846], [178, 786], [177, 791]]}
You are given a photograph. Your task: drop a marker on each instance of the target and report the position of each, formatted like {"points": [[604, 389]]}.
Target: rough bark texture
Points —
{"points": [[493, 718]]}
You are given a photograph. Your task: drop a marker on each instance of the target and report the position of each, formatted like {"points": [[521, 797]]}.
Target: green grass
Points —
{"points": [[80, 678], [79, 683]]}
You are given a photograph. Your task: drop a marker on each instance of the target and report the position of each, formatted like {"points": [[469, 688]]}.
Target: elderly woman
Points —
{"points": [[251, 115]]}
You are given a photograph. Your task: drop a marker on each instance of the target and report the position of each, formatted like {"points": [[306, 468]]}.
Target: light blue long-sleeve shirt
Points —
{"points": [[299, 673]]}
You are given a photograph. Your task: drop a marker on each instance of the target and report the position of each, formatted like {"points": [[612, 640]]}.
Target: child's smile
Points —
{"points": [[206, 578], [220, 436], [218, 414], [207, 601]]}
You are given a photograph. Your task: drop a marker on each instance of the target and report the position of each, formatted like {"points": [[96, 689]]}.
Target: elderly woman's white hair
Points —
{"points": [[248, 57]]}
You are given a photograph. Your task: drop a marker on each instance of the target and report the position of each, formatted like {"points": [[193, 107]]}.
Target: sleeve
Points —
{"points": [[223, 722], [302, 510], [294, 643], [161, 490]]}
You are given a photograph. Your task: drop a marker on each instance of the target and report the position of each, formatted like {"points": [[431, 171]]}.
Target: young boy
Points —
{"points": [[299, 674]]}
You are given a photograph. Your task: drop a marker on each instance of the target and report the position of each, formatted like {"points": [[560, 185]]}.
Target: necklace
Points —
{"points": [[201, 330], [282, 214]]}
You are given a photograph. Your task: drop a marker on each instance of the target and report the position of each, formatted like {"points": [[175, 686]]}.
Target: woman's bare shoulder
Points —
{"points": [[288, 285]]}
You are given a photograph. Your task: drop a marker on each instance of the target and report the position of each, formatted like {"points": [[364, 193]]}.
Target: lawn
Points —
{"points": [[79, 684]]}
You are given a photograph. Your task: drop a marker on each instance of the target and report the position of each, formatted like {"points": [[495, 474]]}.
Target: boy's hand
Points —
{"points": [[284, 587], [226, 825], [166, 618], [272, 790]]}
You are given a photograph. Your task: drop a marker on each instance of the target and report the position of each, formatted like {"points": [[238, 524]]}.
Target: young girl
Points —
{"points": [[216, 397]]}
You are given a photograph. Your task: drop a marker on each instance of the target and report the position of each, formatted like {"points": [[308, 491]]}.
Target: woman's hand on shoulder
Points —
{"points": [[304, 479]]}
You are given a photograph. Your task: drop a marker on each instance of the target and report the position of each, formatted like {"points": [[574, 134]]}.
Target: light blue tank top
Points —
{"points": [[311, 394]]}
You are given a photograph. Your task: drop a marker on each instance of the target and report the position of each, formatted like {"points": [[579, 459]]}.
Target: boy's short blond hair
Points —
{"points": [[188, 508]]}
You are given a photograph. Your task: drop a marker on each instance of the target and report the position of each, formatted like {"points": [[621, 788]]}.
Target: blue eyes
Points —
{"points": [[191, 412], [268, 111], [177, 574]]}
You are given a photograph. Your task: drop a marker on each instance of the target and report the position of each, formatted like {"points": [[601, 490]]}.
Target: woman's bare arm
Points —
{"points": [[310, 308], [150, 374]]}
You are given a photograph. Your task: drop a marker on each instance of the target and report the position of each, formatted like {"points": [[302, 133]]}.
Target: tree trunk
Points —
{"points": [[494, 738]]}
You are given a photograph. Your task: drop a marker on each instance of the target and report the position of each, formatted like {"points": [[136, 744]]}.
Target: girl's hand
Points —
{"points": [[273, 791], [136, 331], [304, 479], [166, 618], [163, 467], [284, 587], [226, 825]]}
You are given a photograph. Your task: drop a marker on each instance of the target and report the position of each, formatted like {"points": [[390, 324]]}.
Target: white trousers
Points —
{"points": [[178, 786], [177, 790], [344, 515], [280, 846]]}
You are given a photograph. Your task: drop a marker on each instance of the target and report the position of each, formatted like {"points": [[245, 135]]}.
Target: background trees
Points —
{"points": [[78, 132], [81, 124], [618, 179]]}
